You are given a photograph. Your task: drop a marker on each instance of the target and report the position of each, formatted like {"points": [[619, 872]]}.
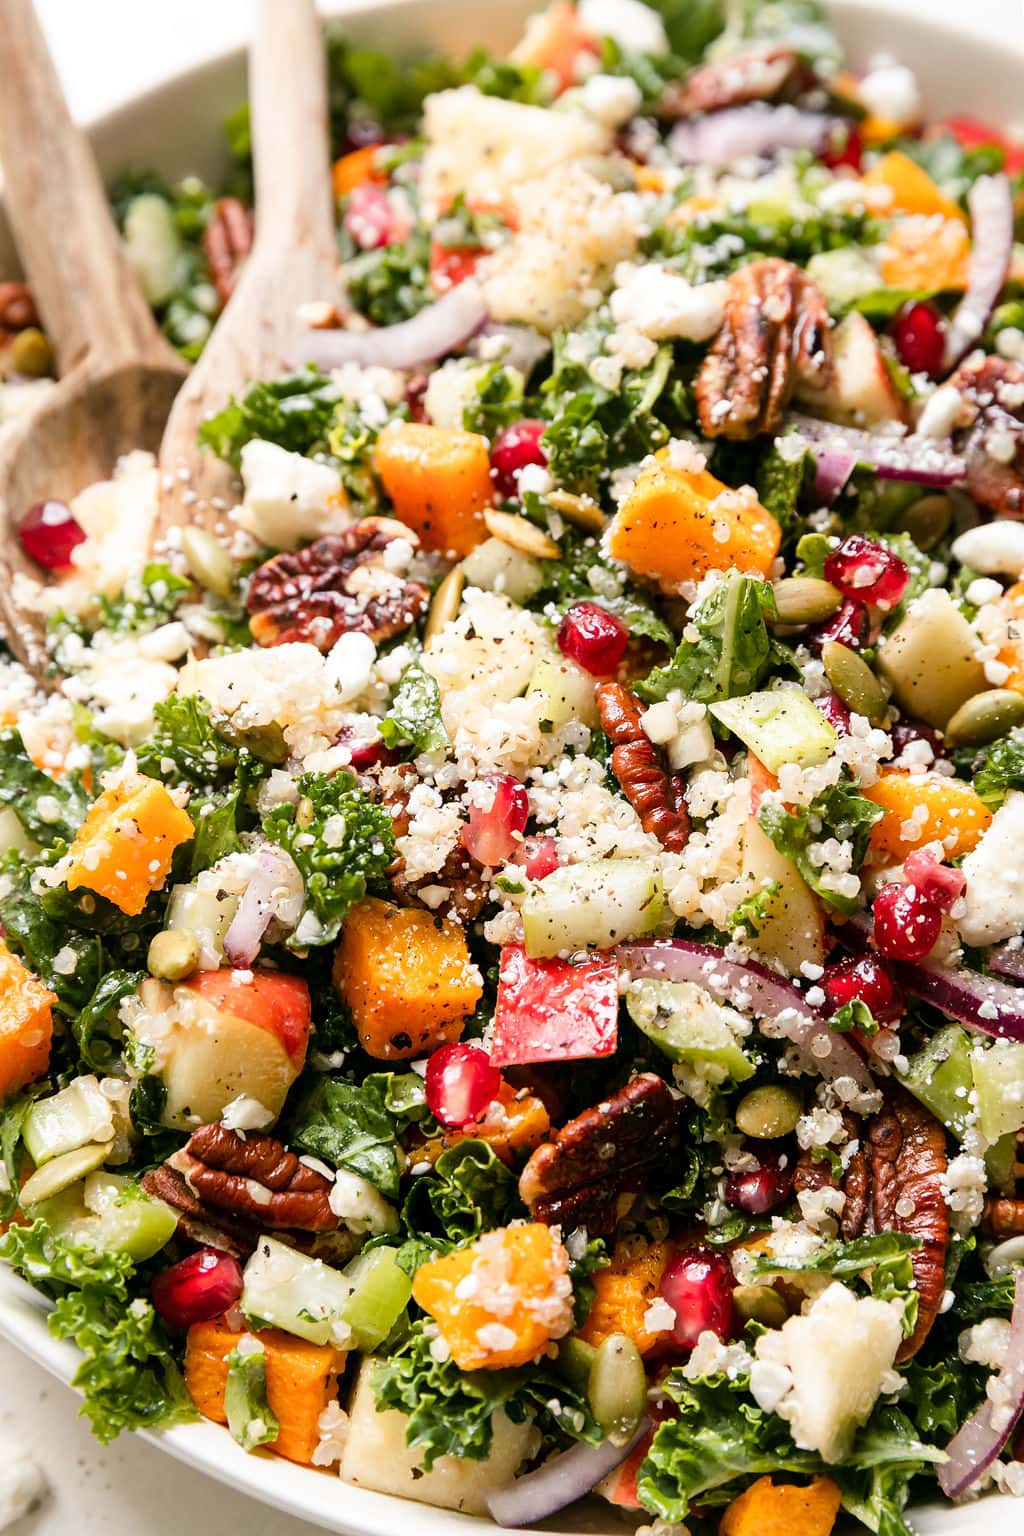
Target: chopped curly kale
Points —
{"points": [[997, 769], [145, 601], [733, 650], [838, 812], [293, 411], [470, 1191], [414, 718], [585, 574], [48, 809], [191, 745]]}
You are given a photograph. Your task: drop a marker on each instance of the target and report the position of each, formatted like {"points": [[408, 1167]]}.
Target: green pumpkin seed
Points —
{"points": [[760, 1304], [208, 561], [31, 353], [614, 171], [173, 954], [575, 1361], [264, 741], [445, 604], [854, 681], [805, 599], [582, 511], [769, 1111], [927, 520], [618, 1387], [985, 718]]}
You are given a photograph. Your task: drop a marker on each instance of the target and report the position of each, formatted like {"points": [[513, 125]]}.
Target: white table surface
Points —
{"points": [[106, 51]]}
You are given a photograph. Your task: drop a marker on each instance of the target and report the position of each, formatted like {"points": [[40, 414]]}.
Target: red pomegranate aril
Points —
{"points": [[370, 218], [493, 833], [198, 1288], [849, 625], [513, 449], [835, 711], [698, 1286], [849, 151], [49, 532], [594, 638], [867, 572], [907, 925], [864, 979], [460, 1083], [908, 732], [920, 336], [450, 266], [540, 857], [935, 882], [764, 1188]]}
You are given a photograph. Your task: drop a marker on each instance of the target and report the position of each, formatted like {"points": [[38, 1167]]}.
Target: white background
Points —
{"points": [[106, 51]]}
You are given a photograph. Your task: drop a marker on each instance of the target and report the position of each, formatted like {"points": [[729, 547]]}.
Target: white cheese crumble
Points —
{"points": [[993, 903], [360, 1206], [637, 28], [289, 500], [660, 304]]}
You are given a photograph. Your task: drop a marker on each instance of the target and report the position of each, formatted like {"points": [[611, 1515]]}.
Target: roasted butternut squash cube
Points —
{"points": [[499, 1301], [26, 1024], [439, 481], [407, 977], [942, 810], [679, 522], [302, 1378], [912, 189], [783, 1509], [624, 1291], [125, 845]]}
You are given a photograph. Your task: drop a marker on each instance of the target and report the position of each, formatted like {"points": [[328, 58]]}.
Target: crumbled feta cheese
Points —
{"points": [[289, 499], [661, 304], [612, 99], [993, 549], [710, 1357], [994, 899], [890, 90], [247, 1114], [637, 28], [360, 1206], [941, 412], [987, 1343]]}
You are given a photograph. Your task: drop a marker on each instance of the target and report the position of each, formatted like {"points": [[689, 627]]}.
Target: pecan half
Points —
{"points": [[17, 307], [340, 584], [812, 1174], [255, 1178], [469, 893], [770, 73], [204, 1225], [992, 439], [775, 335], [656, 796], [227, 241], [579, 1177], [1003, 1216]]}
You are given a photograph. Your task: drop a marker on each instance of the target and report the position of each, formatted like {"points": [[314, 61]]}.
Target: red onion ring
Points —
{"points": [[756, 129], [979, 1440], [752, 987], [560, 1481], [990, 201], [436, 331], [923, 460]]}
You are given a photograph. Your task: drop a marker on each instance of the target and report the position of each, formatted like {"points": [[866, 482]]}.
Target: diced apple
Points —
{"points": [[793, 930], [779, 725], [861, 392], [593, 905]]}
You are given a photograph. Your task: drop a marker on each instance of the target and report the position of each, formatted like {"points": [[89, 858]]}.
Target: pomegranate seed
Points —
{"points": [[513, 449], [415, 397], [849, 625], [764, 1188], [460, 1083], [493, 833], [370, 218], [850, 152], [366, 752], [540, 857], [594, 638], [449, 268], [907, 731], [198, 1288], [920, 337], [906, 924], [867, 571], [864, 979], [936, 882], [698, 1287], [49, 532], [835, 712]]}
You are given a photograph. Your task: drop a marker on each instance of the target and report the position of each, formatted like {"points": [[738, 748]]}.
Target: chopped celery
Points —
{"points": [[779, 725], [999, 1088], [76, 1116], [380, 1294], [285, 1289], [686, 1023], [940, 1075], [593, 906], [251, 1420]]}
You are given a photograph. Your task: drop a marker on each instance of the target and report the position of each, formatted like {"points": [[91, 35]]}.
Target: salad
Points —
{"points": [[511, 978]]}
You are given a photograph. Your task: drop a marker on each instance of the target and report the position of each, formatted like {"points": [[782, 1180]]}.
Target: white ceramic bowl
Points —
{"points": [[177, 129]]}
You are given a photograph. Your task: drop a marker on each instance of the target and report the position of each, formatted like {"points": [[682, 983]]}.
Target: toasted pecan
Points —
{"points": [[255, 1177], [1003, 1216], [580, 1176], [227, 241], [991, 436], [769, 73], [775, 334], [205, 1225], [655, 795]]}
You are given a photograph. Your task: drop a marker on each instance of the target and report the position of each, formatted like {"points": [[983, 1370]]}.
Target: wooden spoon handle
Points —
{"points": [[87, 292], [288, 86]]}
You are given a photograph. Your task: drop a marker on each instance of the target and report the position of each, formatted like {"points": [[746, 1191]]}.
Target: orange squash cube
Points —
{"points": [[407, 977], [514, 1122], [124, 846], [498, 1302], [912, 189], [355, 170], [923, 253], [26, 1024], [677, 524], [439, 481], [946, 811], [624, 1291], [302, 1378], [783, 1509], [1012, 653]]}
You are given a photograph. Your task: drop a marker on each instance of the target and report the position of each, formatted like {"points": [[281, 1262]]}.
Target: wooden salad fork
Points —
{"points": [[294, 259], [118, 375]]}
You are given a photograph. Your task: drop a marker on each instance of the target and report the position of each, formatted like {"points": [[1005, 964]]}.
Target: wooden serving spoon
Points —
{"points": [[294, 259], [118, 375]]}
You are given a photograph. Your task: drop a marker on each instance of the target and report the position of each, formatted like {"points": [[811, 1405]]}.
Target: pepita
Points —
{"points": [[521, 534], [445, 604], [31, 353], [926, 520], [985, 718], [208, 561], [769, 1111], [173, 954], [805, 599], [618, 1387], [582, 511], [854, 681], [760, 1304]]}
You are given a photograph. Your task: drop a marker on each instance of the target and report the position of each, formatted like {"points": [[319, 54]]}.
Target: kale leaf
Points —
{"points": [[732, 651], [470, 1191], [293, 411], [47, 808], [585, 574], [999, 768], [351, 1125], [414, 718], [838, 812]]}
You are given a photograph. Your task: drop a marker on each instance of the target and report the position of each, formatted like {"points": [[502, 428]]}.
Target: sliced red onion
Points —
{"points": [[978, 1442], [737, 132], [436, 331], [1008, 960], [923, 460], [559, 1482], [752, 987], [275, 879], [1005, 1257], [990, 201], [832, 469], [983, 1003], [518, 346]]}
